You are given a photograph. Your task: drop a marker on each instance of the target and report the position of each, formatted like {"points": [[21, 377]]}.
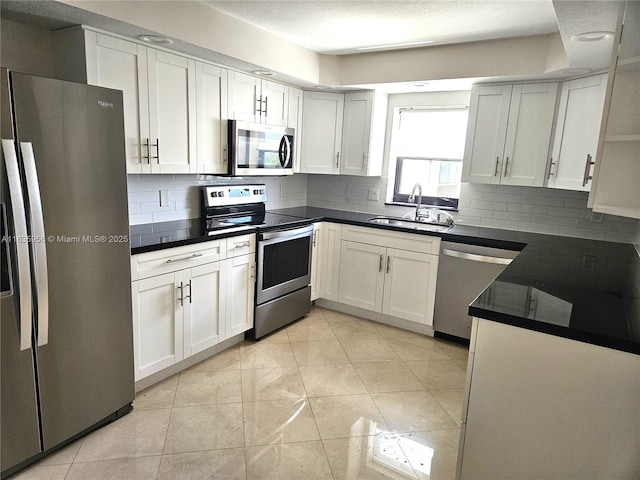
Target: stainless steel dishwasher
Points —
{"points": [[464, 271]]}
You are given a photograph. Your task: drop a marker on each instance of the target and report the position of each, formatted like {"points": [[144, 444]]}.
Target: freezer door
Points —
{"points": [[19, 431], [71, 139]]}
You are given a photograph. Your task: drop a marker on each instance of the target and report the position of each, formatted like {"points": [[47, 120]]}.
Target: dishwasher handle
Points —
{"points": [[476, 258]]}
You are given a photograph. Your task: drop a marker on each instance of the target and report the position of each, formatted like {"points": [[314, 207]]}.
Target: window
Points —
{"points": [[428, 146]]}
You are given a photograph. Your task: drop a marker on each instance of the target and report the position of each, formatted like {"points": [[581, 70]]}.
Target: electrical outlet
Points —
{"points": [[164, 198], [596, 217], [282, 192], [374, 194]]}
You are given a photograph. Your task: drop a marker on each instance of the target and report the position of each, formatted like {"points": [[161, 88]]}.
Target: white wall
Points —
{"points": [[25, 48], [184, 194]]}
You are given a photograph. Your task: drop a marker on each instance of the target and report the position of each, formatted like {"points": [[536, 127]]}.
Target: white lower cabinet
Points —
{"points": [[380, 277], [179, 312], [157, 324], [394, 282], [241, 274], [203, 299]]}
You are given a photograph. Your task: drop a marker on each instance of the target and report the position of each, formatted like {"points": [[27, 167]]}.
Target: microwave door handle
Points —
{"points": [[22, 247], [285, 151], [282, 151]]}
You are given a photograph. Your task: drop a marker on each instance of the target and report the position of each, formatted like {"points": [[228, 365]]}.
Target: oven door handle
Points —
{"points": [[288, 234]]}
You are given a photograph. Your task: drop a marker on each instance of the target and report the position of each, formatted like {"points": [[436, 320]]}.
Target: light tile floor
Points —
{"points": [[331, 396]]}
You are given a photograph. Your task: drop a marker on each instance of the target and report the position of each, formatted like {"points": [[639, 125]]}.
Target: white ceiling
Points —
{"points": [[342, 27]]}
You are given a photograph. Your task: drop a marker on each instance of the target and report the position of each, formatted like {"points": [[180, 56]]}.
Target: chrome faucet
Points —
{"points": [[412, 198]]}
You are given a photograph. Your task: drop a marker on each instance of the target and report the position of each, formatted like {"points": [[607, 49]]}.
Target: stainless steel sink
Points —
{"points": [[404, 223]]}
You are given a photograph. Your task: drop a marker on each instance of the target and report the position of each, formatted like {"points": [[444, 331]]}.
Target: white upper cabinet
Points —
{"points": [[343, 133], [577, 131], [172, 112], [211, 111], [294, 120], [365, 116], [616, 188], [253, 99], [162, 110], [509, 134], [322, 132]]}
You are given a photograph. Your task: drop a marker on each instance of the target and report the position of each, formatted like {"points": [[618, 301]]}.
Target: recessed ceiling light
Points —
{"points": [[418, 84], [155, 39], [325, 87], [397, 45], [264, 73], [592, 36]]}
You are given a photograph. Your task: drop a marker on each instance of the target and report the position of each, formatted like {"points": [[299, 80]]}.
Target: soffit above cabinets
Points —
{"points": [[339, 27]]}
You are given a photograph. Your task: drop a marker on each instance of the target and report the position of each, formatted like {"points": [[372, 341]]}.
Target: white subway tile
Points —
{"points": [[538, 200], [550, 220], [483, 204], [140, 218], [583, 233], [505, 224], [144, 197], [522, 208], [539, 228], [502, 197], [569, 212], [514, 216]]}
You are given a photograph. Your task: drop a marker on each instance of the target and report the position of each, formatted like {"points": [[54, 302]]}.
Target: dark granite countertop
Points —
{"points": [[580, 289]]}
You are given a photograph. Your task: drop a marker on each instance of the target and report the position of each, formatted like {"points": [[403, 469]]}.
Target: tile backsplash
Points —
{"points": [[539, 210], [184, 194]]}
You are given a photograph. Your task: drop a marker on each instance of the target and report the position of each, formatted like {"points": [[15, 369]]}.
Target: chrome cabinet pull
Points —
{"points": [[157, 145], [181, 288], [189, 296], [337, 159], [587, 166], [495, 173], [173, 260], [266, 105], [388, 263], [146, 144], [22, 248], [241, 245], [506, 167], [380, 265], [550, 168], [253, 272], [313, 241], [39, 248], [259, 105]]}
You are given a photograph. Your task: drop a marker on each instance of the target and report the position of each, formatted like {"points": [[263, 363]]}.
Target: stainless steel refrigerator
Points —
{"points": [[66, 328]]}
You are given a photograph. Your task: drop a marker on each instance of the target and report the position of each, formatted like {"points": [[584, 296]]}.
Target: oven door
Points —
{"points": [[284, 262], [258, 149]]}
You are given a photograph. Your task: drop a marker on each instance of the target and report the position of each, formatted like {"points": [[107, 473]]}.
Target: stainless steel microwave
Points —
{"points": [[258, 149]]}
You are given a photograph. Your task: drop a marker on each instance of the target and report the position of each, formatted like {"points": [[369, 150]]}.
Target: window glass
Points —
{"points": [[428, 145]]}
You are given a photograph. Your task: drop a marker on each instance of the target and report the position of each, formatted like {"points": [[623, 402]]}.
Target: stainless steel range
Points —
{"points": [[283, 294]]}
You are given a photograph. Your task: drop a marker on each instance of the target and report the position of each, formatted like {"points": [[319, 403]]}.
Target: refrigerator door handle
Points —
{"points": [[39, 242], [22, 246]]}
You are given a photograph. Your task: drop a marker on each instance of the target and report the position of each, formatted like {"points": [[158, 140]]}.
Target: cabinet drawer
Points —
{"points": [[241, 245], [389, 238], [172, 259]]}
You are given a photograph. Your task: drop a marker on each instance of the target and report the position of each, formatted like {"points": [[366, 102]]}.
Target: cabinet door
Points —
{"points": [[241, 282], [486, 134], [529, 134], [275, 103], [329, 261], [204, 299], [294, 120], [410, 285], [157, 324], [211, 109], [315, 253], [116, 63], [577, 131], [356, 133], [244, 96], [362, 275], [172, 112], [322, 132]]}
